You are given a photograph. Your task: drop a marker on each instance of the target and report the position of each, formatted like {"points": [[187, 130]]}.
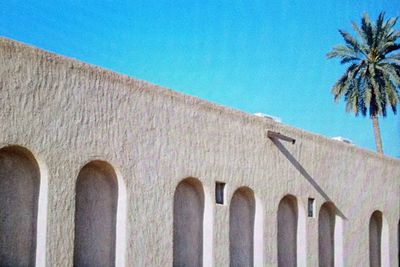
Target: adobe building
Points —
{"points": [[99, 169]]}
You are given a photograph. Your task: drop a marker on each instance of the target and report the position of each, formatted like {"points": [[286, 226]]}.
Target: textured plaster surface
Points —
{"points": [[69, 113]]}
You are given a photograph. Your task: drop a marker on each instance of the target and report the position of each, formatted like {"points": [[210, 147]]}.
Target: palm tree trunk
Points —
{"points": [[377, 133]]}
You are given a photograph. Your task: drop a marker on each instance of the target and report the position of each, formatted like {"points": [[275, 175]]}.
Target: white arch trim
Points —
{"points": [[120, 239], [301, 234], [208, 221], [258, 233], [338, 243], [385, 247], [42, 212]]}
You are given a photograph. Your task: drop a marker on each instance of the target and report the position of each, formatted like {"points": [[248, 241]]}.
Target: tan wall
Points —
{"points": [[69, 113]]}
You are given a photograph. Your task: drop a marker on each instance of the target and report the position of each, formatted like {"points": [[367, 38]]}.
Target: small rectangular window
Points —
{"points": [[311, 207], [219, 192]]}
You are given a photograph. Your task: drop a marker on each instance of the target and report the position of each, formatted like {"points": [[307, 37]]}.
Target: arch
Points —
{"points": [[241, 227], [188, 221], [287, 231], [19, 197], [326, 235], [95, 215], [378, 240]]}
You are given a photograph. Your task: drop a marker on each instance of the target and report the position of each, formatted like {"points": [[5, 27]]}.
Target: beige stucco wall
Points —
{"points": [[68, 113]]}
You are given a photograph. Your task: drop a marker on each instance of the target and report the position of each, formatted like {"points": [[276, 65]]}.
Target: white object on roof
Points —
{"points": [[342, 139], [263, 115]]}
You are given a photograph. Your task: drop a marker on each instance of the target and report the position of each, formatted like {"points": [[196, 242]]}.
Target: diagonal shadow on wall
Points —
{"points": [[306, 175]]}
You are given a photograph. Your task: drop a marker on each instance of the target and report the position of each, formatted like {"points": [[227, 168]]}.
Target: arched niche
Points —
{"points": [[378, 240], [188, 220], [241, 227], [375, 239], [95, 215], [287, 231], [19, 194], [326, 235]]}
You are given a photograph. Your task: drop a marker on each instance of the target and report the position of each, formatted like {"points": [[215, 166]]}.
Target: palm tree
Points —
{"points": [[372, 79]]}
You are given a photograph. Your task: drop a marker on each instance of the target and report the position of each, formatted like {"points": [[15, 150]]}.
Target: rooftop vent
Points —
{"points": [[270, 117], [342, 139]]}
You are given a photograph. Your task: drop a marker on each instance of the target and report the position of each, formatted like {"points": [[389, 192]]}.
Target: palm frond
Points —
{"points": [[391, 47], [378, 30], [349, 59], [392, 71], [366, 27], [376, 97], [352, 98], [342, 51], [395, 59], [358, 31], [392, 94], [342, 85], [366, 93], [351, 41], [393, 35], [390, 23]]}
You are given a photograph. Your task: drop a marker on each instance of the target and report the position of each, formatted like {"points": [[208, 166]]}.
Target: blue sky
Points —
{"points": [[256, 56]]}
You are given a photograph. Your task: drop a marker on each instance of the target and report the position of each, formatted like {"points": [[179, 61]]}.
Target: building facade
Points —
{"points": [[99, 169]]}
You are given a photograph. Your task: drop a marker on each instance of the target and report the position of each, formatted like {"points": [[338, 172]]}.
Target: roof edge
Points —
{"points": [[127, 80]]}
